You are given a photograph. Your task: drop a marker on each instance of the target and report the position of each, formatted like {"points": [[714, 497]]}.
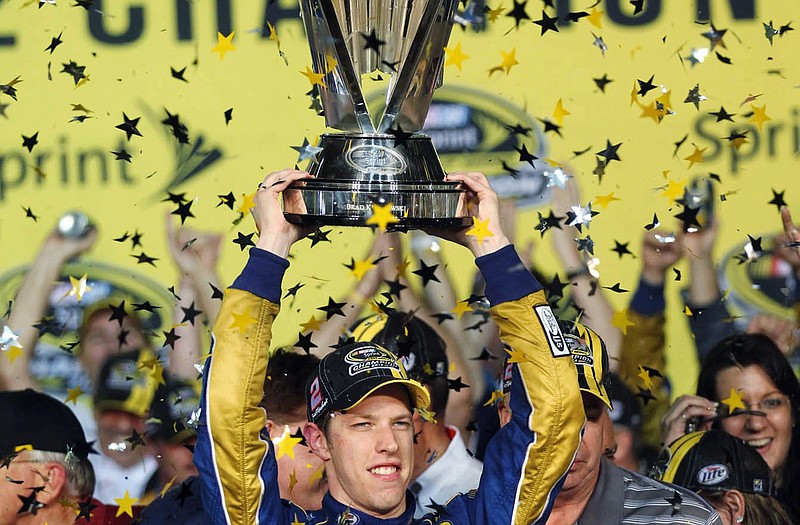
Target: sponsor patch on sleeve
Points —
{"points": [[555, 339]]}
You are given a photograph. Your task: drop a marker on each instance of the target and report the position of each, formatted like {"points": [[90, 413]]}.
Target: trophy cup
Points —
{"points": [[387, 164]]}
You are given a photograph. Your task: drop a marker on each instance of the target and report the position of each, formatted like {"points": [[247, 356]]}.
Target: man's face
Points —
{"points": [[175, 460], [585, 469], [114, 430], [371, 453], [301, 478]]}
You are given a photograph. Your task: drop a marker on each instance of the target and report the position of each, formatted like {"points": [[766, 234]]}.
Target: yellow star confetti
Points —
{"points": [[687, 311], [316, 475], [330, 64], [427, 415], [666, 103], [292, 480], [360, 268], [224, 44], [739, 141], [312, 324], [314, 78], [734, 401], [645, 377], [167, 487], [461, 308], [73, 394], [650, 111], [509, 61], [497, 395], [455, 56], [559, 113], [381, 216], [492, 14], [480, 229], [605, 200], [595, 17], [78, 287], [247, 203], [674, 190], [403, 266], [696, 157], [241, 321], [634, 91], [157, 373], [620, 320], [296, 522], [515, 356], [125, 503], [285, 443], [273, 34], [759, 115], [13, 353]]}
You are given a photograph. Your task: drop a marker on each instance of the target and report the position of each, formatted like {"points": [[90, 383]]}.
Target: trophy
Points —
{"points": [[389, 165]]}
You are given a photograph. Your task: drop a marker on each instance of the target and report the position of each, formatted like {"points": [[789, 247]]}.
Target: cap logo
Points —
{"points": [[369, 358], [758, 485], [558, 346], [409, 361], [580, 352], [316, 400], [712, 474]]}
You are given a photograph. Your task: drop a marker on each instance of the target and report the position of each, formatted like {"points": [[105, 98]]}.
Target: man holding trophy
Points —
{"points": [[360, 401]]}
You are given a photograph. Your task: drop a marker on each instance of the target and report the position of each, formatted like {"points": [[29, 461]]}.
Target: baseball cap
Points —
{"points": [[590, 356], [351, 373], [36, 421], [418, 346], [717, 461], [126, 383], [626, 409], [173, 412]]}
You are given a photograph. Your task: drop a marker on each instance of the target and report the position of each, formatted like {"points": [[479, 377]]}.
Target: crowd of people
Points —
{"points": [[533, 408]]}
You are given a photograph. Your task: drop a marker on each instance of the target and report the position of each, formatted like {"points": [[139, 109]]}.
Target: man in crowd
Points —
{"points": [[360, 401], [443, 467], [597, 492], [44, 463]]}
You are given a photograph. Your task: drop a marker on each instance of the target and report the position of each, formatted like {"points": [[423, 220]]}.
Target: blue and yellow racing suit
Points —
{"points": [[525, 463]]}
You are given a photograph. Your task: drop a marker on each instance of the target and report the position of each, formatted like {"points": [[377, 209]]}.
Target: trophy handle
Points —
{"points": [[412, 91], [347, 99]]}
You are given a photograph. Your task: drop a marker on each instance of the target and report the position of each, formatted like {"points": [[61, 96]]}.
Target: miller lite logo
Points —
{"points": [[712, 474]]}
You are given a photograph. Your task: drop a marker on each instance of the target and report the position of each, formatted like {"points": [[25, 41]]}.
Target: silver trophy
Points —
{"points": [[387, 164]]}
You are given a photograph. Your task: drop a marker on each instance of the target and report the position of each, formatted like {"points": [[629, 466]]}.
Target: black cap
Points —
{"points": [[717, 461], [352, 372], [173, 413], [32, 420], [625, 411], [418, 345], [126, 383]]}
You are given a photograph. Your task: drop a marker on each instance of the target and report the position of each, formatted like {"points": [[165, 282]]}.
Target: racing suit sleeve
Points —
{"points": [[233, 455], [527, 460]]}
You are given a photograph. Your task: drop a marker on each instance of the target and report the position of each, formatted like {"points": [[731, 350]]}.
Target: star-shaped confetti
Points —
{"points": [[125, 504], [285, 443], [621, 320], [602, 82], [241, 321], [307, 151], [381, 216], [714, 37], [29, 142], [224, 44], [518, 13], [73, 394], [621, 248], [696, 156], [778, 199], [734, 401], [54, 43], [480, 229], [759, 115], [695, 97], [305, 343], [332, 308], [605, 200], [455, 57], [427, 273], [547, 23], [610, 152], [129, 126]]}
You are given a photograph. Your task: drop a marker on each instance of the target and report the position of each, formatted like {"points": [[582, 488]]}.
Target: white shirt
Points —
{"points": [[113, 480], [455, 472]]}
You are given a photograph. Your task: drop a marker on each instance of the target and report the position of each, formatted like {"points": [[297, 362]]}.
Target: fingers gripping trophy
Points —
{"points": [[373, 169]]}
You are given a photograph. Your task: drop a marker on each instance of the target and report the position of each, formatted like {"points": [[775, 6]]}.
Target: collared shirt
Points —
{"points": [[455, 472], [626, 498]]}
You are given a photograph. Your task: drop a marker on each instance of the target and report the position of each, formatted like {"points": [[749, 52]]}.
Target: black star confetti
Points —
{"points": [[129, 126], [72, 68], [427, 273], [244, 241], [54, 43], [722, 114], [777, 199], [30, 142], [646, 86], [29, 214], [143, 258], [518, 13], [228, 200], [178, 73], [332, 308], [371, 41], [456, 384], [292, 292], [547, 23], [621, 249], [304, 342], [319, 236], [190, 313], [602, 82], [610, 153], [228, 115]]}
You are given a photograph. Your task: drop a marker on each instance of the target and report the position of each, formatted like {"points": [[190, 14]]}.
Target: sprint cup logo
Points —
{"points": [[373, 159], [712, 474], [474, 129], [372, 358]]}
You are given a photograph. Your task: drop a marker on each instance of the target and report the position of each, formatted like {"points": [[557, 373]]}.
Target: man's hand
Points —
{"points": [[482, 204], [658, 256], [275, 234], [194, 252], [787, 245], [63, 249]]}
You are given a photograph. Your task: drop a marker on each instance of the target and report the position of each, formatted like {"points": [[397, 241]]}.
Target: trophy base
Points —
{"points": [[355, 172], [351, 203]]}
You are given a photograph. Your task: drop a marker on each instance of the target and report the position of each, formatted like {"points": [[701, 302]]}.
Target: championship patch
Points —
{"points": [[555, 339]]}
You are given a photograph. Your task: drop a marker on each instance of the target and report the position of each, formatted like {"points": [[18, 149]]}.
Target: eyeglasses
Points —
{"points": [[770, 404]]}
